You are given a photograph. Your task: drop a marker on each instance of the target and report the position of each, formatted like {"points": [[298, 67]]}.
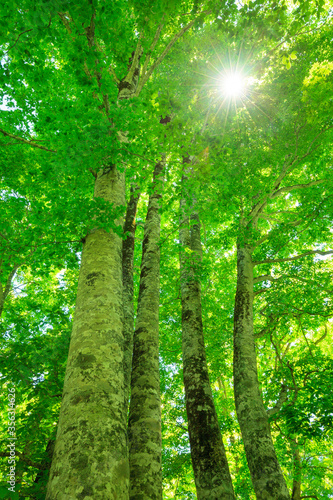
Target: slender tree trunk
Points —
{"points": [[145, 408], [267, 477], [297, 480], [4, 290], [40, 479], [128, 256], [90, 457], [210, 465]]}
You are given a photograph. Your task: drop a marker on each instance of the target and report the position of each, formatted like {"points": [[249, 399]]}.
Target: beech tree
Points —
{"points": [[84, 89], [209, 460], [144, 423]]}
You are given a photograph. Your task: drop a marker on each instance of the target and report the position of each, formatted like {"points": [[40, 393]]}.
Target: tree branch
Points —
{"points": [[282, 399], [322, 337], [135, 62], [296, 186], [30, 143], [314, 140], [93, 172], [288, 259], [295, 388], [65, 17], [9, 281], [24, 459], [265, 277], [268, 277], [261, 205], [262, 290], [90, 30], [151, 48], [112, 72], [158, 61], [17, 39]]}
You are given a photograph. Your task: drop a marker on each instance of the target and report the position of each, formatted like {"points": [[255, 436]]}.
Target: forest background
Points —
{"points": [[94, 86]]}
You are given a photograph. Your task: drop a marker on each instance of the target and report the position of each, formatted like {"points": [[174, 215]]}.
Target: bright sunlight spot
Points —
{"points": [[233, 85]]}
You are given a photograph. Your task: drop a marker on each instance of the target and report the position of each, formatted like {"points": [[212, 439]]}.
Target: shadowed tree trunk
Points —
{"points": [[209, 461], [266, 474], [145, 408], [297, 480], [4, 290], [90, 456], [44, 470], [128, 255]]}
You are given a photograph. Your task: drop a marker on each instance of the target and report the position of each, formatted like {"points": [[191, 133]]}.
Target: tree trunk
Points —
{"points": [[210, 465], [145, 408], [128, 255], [90, 456], [40, 479], [297, 480], [4, 290], [266, 474]]}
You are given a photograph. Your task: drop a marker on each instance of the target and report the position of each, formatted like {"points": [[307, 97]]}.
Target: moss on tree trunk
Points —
{"points": [[90, 457], [209, 461], [128, 256], [266, 474], [145, 407]]}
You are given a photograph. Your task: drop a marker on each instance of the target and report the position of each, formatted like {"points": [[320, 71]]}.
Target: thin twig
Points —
{"points": [[17, 39]]}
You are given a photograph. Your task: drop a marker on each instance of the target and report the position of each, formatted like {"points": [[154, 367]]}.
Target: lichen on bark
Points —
{"points": [[144, 428], [266, 474], [209, 460], [90, 458], [128, 287]]}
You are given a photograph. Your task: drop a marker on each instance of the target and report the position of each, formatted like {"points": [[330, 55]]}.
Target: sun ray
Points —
{"points": [[232, 84], [258, 108]]}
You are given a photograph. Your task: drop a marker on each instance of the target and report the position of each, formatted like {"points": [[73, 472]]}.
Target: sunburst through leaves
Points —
{"points": [[233, 85]]}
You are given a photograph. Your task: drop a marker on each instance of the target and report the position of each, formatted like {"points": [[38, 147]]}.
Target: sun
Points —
{"points": [[232, 85]]}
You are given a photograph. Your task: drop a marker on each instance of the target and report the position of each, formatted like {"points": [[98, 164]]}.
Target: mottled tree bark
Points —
{"points": [[145, 409], [128, 256], [210, 465], [266, 474], [90, 457]]}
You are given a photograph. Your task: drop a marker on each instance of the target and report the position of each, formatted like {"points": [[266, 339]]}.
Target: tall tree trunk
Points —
{"points": [[90, 457], [210, 465], [297, 480], [267, 477], [145, 408], [128, 256]]}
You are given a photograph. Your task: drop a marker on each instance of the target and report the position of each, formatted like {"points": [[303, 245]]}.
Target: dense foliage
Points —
{"points": [[263, 155]]}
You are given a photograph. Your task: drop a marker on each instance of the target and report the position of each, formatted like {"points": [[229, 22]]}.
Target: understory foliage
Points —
{"points": [[261, 173]]}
